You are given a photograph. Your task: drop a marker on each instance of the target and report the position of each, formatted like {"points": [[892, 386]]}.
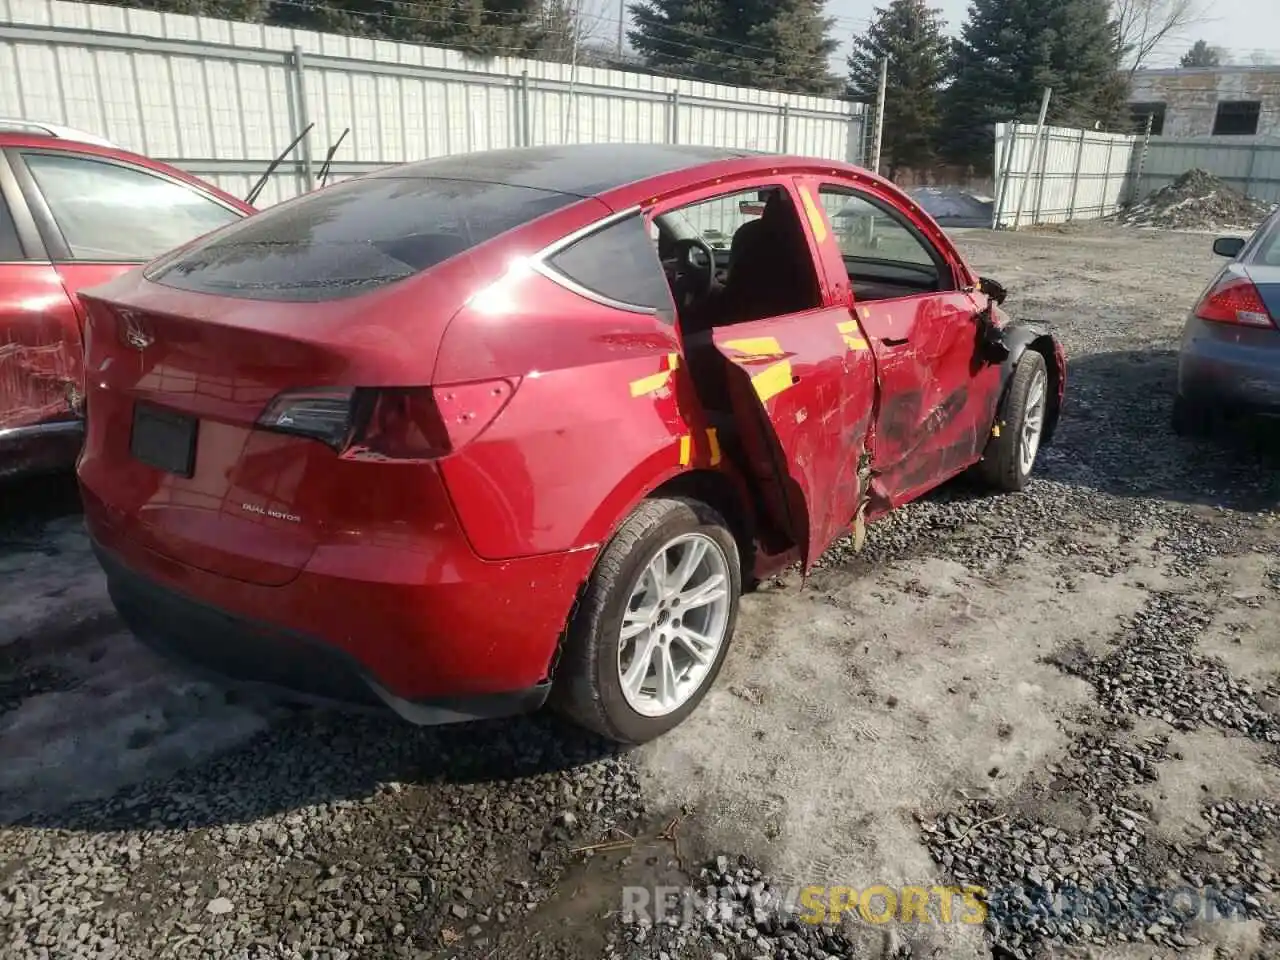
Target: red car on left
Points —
{"points": [[75, 211]]}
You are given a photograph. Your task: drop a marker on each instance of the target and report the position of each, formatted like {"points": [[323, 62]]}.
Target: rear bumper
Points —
{"points": [[49, 447], [1232, 371], [213, 641]]}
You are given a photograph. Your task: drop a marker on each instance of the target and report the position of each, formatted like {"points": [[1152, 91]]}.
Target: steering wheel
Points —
{"points": [[695, 274]]}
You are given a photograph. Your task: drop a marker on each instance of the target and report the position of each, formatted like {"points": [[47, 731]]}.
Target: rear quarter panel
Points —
{"points": [[604, 412]]}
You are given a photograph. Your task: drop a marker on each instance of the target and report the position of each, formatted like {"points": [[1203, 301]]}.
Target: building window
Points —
{"points": [[1139, 112], [1237, 118]]}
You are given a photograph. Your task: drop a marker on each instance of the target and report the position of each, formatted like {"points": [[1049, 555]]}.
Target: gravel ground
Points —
{"points": [[1069, 697]]}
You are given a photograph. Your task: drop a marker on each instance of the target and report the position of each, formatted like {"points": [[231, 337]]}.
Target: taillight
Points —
{"points": [[1235, 300], [389, 423], [324, 414]]}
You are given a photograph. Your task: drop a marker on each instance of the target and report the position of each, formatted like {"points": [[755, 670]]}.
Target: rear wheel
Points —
{"points": [[654, 626], [1011, 453]]}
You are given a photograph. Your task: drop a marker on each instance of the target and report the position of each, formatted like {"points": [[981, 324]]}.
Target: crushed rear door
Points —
{"points": [[785, 385]]}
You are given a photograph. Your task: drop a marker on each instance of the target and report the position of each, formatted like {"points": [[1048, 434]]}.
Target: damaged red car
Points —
{"points": [[75, 211], [464, 436]]}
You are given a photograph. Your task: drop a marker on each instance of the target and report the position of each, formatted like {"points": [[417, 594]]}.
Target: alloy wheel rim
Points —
{"points": [[1032, 421], [674, 625]]}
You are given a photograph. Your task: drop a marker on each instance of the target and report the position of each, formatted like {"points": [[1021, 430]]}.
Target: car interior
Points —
{"points": [[766, 268]]}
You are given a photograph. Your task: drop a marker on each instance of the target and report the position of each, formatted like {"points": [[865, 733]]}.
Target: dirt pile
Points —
{"points": [[1197, 200]]}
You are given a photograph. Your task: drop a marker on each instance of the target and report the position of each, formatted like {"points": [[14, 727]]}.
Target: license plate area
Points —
{"points": [[164, 439]]}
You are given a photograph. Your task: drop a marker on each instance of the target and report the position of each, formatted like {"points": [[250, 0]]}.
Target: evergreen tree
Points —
{"points": [[1010, 50], [484, 27], [1201, 55], [779, 44], [911, 35]]}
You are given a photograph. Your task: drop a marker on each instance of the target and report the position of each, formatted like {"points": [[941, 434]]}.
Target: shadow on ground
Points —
{"points": [[1116, 437], [313, 757]]}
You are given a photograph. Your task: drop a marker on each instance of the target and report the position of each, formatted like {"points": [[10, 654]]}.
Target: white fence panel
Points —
{"points": [[221, 99], [1067, 175], [1251, 167]]}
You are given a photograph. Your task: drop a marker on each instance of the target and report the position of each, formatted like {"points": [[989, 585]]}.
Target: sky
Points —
{"points": [[1248, 29]]}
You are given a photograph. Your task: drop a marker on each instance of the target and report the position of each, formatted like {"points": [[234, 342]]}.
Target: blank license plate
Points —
{"points": [[164, 439]]}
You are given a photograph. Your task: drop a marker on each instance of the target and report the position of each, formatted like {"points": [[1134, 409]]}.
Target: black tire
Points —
{"points": [[1189, 419], [586, 687], [1001, 465]]}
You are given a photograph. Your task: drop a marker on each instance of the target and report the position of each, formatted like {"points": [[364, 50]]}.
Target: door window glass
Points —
{"points": [[10, 248], [109, 212]]}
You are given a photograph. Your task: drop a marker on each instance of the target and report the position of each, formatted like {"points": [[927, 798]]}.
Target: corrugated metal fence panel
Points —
{"points": [[220, 98], [1072, 175], [1252, 168]]}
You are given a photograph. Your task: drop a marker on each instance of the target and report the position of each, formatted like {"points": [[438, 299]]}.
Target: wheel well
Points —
{"points": [[717, 491], [1043, 345]]}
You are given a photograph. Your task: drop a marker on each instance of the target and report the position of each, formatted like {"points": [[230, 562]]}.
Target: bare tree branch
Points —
{"points": [[1145, 25]]}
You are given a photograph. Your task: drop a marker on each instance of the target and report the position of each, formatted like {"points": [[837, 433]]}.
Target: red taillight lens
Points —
{"points": [[1235, 300], [390, 423], [399, 424]]}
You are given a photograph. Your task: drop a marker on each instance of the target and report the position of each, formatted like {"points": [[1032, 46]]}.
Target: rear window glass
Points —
{"points": [[1269, 247], [352, 238]]}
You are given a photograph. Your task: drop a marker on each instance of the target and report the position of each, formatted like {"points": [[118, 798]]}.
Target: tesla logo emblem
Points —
{"points": [[136, 333]]}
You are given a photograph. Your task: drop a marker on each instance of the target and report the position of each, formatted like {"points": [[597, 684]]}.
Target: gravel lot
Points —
{"points": [[1072, 689]]}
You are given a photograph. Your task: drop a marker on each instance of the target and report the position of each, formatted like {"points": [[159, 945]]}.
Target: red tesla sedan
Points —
{"points": [[75, 211], [464, 435]]}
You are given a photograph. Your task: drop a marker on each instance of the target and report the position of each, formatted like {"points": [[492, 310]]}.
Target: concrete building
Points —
{"points": [[1208, 101]]}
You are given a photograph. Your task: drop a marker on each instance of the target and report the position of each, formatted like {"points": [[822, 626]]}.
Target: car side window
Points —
{"points": [[880, 246], [109, 212], [10, 247], [619, 263]]}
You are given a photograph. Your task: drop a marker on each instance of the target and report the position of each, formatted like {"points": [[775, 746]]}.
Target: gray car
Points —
{"points": [[1229, 364]]}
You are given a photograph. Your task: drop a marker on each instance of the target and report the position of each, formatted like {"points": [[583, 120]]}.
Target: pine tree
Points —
{"points": [[911, 35], [1010, 50], [778, 44], [483, 27], [1201, 55]]}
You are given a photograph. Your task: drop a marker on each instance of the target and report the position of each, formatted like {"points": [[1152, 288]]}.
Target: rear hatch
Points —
{"points": [[226, 382]]}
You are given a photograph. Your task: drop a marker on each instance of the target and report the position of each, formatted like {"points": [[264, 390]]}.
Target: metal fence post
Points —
{"points": [[1003, 174], [673, 132], [1135, 185], [1031, 161], [304, 117], [1248, 176], [1106, 183], [526, 121], [1044, 172], [783, 116], [1075, 178]]}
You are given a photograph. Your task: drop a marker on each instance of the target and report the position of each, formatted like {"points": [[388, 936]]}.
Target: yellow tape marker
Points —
{"points": [[848, 326], [816, 219], [995, 429], [855, 343], [686, 450], [656, 381], [852, 335], [714, 442], [650, 384], [772, 381], [755, 348]]}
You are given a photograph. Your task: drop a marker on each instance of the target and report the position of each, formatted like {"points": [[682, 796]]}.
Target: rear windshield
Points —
{"points": [[352, 238], [1268, 252]]}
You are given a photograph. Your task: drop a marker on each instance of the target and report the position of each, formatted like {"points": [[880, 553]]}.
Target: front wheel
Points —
{"points": [[654, 626], [1011, 452]]}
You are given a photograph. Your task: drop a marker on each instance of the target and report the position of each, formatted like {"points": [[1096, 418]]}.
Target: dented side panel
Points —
{"points": [[41, 359], [939, 395]]}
